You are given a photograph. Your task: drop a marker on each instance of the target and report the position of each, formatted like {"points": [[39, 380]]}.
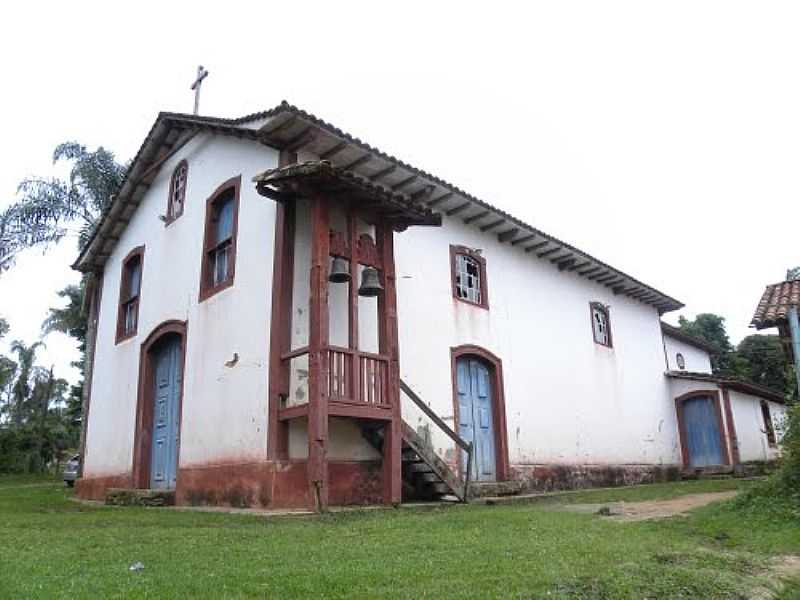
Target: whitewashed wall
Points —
{"points": [[568, 399], [750, 429], [697, 360], [224, 409]]}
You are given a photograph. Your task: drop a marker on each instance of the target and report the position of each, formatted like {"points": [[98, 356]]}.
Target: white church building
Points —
{"points": [[282, 315]]}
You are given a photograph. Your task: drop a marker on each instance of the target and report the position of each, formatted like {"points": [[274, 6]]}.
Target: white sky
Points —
{"points": [[662, 138]]}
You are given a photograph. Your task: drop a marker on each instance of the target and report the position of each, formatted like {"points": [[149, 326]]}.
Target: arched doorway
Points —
{"points": [[703, 442], [159, 407], [480, 411]]}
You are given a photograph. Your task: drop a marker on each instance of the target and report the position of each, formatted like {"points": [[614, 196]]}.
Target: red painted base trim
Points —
{"points": [[551, 477], [94, 488], [278, 484]]}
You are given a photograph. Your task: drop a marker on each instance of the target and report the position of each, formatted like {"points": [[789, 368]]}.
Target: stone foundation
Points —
{"points": [[547, 478]]}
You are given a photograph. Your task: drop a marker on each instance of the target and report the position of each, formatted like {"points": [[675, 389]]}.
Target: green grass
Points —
{"points": [[52, 547]]}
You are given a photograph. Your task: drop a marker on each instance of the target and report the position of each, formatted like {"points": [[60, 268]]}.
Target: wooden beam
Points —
{"points": [[443, 198], [400, 185], [301, 139], [602, 273], [267, 130], [357, 162], [382, 173], [505, 236], [422, 193], [578, 265], [556, 259], [607, 278], [565, 263], [457, 209], [333, 151], [476, 216], [548, 252], [536, 246], [493, 224], [523, 239], [589, 271]]}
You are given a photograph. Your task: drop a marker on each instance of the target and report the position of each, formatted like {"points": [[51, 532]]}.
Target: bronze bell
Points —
{"points": [[340, 270], [370, 283]]}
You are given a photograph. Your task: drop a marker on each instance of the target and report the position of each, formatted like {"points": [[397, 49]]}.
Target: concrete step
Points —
{"points": [[495, 488], [138, 497]]}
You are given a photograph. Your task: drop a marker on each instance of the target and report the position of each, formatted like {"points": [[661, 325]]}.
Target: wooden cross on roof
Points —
{"points": [[201, 74]]}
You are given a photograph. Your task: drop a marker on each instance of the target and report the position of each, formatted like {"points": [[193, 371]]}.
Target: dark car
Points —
{"points": [[71, 470]]}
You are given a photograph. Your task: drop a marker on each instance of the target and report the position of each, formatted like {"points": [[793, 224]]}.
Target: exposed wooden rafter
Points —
{"points": [[401, 184], [457, 209], [536, 246], [477, 216], [305, 137], [333, 151], [439, 199], [523, 239], [357, 162], [267, 130], [548, 252], [383, 173], [507, 235], [492, 225]]}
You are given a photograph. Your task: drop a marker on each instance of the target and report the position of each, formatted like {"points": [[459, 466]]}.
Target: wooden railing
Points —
{"points": [[367, 385], [460, 442]]}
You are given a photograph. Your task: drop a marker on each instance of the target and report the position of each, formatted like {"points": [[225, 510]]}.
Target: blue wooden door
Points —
{"points": [[166, 397], [475, 414], [702, 432]]}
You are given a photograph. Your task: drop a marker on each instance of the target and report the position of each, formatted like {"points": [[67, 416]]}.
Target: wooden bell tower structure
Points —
{"points": [[327, 358]]}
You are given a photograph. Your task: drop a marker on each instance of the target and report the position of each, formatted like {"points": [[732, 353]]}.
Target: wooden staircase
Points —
{"points": [[425, 475]]}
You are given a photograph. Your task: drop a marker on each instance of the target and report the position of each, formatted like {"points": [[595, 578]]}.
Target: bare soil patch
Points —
{"points": [[651, 509]]}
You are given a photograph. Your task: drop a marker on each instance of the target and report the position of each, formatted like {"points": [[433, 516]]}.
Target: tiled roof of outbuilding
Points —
{"points": [[775, 303]]}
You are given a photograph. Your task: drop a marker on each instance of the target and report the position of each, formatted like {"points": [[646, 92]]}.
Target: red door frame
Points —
{"points": [[498, 402], [723, 441], [143, 431]]}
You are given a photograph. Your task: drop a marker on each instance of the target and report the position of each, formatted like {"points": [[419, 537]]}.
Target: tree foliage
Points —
{"points": [[762, 359], [711, 329], [48, 207]]}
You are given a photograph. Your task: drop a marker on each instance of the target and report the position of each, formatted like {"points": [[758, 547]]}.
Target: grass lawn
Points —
{"points": [[52, 547]]}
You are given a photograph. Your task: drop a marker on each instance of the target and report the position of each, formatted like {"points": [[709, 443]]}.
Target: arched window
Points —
{"points": [[469, 275], [177, 191], [130, 289], [219, 247], [681, 361], [601, 324]]}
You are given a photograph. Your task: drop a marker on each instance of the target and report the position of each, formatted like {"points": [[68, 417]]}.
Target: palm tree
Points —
{"points": [[49, 207], [21, 392]]}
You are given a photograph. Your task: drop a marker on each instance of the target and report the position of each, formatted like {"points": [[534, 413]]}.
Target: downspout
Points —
{"points": [[794, 328]]}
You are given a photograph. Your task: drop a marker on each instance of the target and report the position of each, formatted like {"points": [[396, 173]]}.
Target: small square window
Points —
{"points": [[681, 361], [601, 324], [468, 276]]}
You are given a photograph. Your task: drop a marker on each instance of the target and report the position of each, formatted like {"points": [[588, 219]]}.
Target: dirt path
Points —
{"points": [[652, 509]]}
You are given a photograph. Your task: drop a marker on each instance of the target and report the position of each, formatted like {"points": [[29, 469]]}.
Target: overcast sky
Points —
{"points": [[662, 138]]}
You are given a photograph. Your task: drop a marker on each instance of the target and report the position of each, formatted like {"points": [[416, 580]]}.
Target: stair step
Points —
{"points": [[139, 497], [419, 467], [495, 488], [429, 477]]}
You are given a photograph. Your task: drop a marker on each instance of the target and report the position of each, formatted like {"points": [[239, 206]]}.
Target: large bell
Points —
{"points": [[340, 270], [370, 283]]}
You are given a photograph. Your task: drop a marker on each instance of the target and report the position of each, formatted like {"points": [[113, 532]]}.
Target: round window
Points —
{"points": [[681, 361]]}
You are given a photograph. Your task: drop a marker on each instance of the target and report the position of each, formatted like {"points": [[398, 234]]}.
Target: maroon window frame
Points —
{"points": [[177, 191], [474, 257], [213, 248], [597, 306], [130, 294], [769, 429]]}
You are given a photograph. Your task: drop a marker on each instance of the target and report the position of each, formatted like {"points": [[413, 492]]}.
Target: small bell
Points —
{"points": [[340, 270], [370, 283]]}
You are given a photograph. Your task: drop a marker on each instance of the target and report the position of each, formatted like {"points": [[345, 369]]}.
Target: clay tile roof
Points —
{"points": [[775, 303]]}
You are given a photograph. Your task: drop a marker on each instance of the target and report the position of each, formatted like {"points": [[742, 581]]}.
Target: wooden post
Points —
{"points": [[95, 291], [388, 341], [794, 329], [318, 356], [280, 321]]}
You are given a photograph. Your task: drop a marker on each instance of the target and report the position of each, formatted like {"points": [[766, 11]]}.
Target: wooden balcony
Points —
{"points": [[356, 384]]}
